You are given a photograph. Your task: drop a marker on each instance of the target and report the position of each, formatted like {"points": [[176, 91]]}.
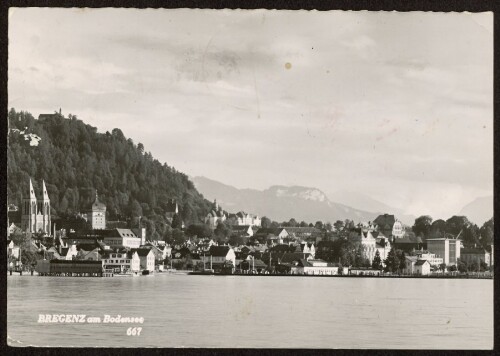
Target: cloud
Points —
{"points": [[395, 105]]}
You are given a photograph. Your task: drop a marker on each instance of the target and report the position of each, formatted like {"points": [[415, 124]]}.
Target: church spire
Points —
{"points": [[45, 194], [32, 191]]}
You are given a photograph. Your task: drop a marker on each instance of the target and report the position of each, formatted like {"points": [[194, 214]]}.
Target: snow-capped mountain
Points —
{"points": [[281, 203]]}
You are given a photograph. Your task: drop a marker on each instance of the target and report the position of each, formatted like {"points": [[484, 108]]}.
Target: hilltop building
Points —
{"points": [[389, 226], [215, 216], [36, 212], [243, 219]]}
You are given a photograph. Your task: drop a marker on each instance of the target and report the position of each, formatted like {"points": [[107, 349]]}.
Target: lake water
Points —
{"points": [[264, 312]]}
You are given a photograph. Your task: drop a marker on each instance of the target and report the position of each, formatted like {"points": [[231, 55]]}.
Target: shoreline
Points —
{"points": [[342, 276]]}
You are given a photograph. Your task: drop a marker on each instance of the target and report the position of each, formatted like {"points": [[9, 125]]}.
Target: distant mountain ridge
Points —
{"points": [[479, 210], [281, 203]]}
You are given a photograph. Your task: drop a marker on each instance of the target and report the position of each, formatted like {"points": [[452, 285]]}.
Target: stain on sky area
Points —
{"points": [[288, 65]]}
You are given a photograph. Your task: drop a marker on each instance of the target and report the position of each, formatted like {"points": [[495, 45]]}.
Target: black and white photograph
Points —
{"points": [[236, 178]]}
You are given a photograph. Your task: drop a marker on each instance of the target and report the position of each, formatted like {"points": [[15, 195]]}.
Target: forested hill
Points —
{"points": [[75, 160]]}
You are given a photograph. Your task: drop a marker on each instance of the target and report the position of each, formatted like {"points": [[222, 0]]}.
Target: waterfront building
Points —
{"points": [[146, 257], [367, 241], [218, 256], [422, 267], [476, 254], [447, 249], [123, 262], [12, 250], [36, 216], [314, 267], [363, 271]]}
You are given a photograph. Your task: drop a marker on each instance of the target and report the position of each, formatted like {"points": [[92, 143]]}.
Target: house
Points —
{"points": [[215, 216], [367, 241], [68, 253], [472, 255], [242, 230], [123, 262], [218, 256], [314, 267], [422, 267], [146, 257], [12, 250], [410, 264], [278, 234], [92, 255], [382, 244]]}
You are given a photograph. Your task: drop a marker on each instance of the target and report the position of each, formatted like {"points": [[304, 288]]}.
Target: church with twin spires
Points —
{"points": [[35, 214]]}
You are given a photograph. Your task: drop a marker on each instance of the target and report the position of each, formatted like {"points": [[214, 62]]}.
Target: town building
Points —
{"points": [[217, 256], [146, 257], [306, 247], [389, 226], [476, 254], [382, 245], [96, 215], [36, 216], [433, 259], [121, 238], [408, 242], [123, 262], [314, 267], [447, 249], [422, 267], [367, 241]]}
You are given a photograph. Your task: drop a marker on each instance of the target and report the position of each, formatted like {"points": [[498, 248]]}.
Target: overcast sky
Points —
{"points": [[398, 106]]}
